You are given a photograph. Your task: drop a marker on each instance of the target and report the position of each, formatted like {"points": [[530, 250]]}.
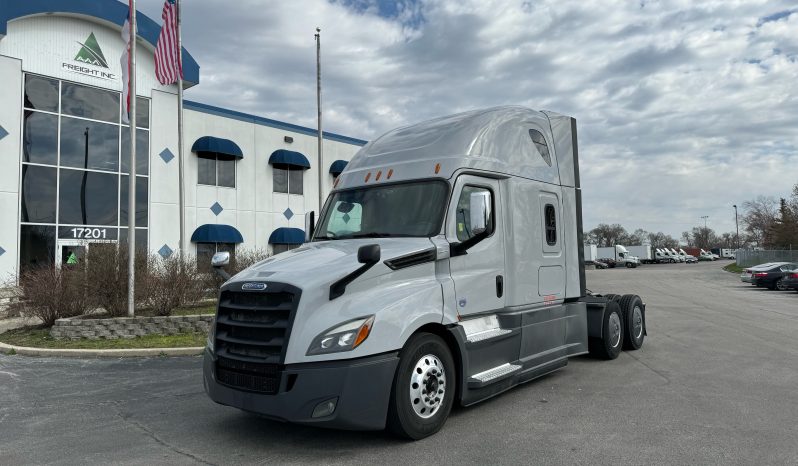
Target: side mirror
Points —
{"points": [[310, 225], [220, 259], [480, 207], [369, 254]]}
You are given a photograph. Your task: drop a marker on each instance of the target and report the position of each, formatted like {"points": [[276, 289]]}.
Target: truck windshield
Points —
{"points": [[406, 209]]}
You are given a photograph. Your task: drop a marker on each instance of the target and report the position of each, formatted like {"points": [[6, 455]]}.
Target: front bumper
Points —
{"points": [[362, 388]]}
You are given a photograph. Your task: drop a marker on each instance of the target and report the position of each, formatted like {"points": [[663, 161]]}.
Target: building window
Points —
{"points": [[75, 168], [551, 225], [205, 252], [278, 248], [288, 180], [216, 170]]}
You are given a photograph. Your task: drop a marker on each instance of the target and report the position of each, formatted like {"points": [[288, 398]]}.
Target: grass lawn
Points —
{"points": [[733, 268], [38, 337]]}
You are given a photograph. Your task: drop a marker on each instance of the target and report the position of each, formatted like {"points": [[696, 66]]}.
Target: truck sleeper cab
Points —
{"points": [[446, 267]]}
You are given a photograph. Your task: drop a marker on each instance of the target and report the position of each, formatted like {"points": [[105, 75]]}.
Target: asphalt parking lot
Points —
{"points": [[715, 383]]}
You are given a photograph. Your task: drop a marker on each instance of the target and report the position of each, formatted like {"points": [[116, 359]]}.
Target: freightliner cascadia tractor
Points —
{"points": [[446, 267]]}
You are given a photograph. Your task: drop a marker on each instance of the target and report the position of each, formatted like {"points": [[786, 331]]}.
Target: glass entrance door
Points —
{"points": [[71, 252]]}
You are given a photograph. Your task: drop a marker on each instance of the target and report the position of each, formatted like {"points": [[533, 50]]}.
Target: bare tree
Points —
{"points": [[605, 235], [759, 217]]}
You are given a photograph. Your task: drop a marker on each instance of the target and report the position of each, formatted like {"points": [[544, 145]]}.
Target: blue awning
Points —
{"points": [[218, 146], [284, 235], [289, 158], [213, 233], [337, 167]]}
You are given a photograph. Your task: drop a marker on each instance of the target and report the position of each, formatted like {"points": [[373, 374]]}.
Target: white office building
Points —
{"points": [[64, 151]]}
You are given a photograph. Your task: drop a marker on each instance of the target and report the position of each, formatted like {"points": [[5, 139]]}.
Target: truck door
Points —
{"points": [[478, 274]]}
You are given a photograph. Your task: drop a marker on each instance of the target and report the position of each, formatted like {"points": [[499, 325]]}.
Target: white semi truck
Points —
{"points": [[619, 254], [446, 267]]}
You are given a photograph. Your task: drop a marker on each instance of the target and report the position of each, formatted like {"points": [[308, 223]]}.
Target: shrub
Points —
{"points": [[171, 283], [107, 276], [49, 293]]}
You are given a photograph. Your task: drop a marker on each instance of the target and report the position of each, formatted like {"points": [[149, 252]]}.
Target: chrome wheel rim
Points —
{"points": [[427, 386], [780, 285], [637, 322], [615, 329]]}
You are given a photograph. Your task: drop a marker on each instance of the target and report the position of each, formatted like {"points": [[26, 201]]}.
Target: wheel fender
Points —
{"points": [[595, 318]]}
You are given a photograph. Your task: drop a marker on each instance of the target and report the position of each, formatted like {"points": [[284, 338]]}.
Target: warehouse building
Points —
{"points": [[64, 151]]}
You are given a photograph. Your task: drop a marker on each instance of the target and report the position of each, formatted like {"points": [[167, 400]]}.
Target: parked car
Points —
{"points": [[771, 277], [749, 272], [600, 264], [690, 259], [790, 280], [606, 262]]}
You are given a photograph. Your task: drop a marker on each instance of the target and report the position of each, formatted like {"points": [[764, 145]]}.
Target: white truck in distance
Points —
{"points": [[620, 255], [446, 267]]}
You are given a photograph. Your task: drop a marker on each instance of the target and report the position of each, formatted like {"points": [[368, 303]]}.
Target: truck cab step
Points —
{"points": [[493, 375], [488, 334]]}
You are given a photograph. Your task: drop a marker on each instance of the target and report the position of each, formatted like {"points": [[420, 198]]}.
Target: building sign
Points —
{"points": [[88, 233], [90, 54]]}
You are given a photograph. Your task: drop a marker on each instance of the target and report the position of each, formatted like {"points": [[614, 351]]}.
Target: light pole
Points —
{"points": [[705, 217], [737, 226]]}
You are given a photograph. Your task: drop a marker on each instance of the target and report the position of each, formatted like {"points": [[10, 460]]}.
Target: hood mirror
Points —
{"points": [[368, 254], [310, 225], [480, 210], [220, 259]]}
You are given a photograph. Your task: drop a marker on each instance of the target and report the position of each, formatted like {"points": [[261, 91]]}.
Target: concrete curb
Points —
{"points": [[96, 353]]}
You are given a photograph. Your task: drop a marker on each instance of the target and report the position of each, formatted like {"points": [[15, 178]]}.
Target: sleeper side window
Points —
{"points": [[464, 213], [551, 225], [540, 145]]}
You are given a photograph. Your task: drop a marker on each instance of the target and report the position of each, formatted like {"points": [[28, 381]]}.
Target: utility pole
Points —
{"points": [[705, 217], [737, 226], [318, 108], [131, 186]]}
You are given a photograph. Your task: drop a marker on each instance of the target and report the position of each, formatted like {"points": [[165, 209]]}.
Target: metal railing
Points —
{"points": [[747, 258]]}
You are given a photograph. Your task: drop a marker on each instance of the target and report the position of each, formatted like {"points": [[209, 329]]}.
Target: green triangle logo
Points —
{"points": [[91, 53]]}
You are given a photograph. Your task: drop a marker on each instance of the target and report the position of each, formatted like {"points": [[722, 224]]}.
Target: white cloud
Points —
{"points": [[684, 108]]}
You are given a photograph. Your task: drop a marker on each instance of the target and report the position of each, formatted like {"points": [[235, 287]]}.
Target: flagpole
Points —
{"points": [[131, 189], [181, 177], [318, 108]]}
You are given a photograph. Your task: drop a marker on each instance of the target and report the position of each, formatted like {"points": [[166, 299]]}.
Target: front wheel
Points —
{"points": [[423, 388], [780, 285]]}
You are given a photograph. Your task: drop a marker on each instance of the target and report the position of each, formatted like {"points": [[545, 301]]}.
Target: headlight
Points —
{"points": [[344, 337]]}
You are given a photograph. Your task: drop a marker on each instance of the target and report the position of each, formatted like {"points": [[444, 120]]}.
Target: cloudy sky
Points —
{"points": [[684, 107]]}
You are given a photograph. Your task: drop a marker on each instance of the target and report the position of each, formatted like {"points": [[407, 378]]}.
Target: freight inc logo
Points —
{"points": [[90, 53]]}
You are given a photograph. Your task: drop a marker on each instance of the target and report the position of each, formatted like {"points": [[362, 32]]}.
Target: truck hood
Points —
{"points": [[323, 262]]}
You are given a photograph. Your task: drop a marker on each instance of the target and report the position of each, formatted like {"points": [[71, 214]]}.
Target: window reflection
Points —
{"points": [[89, 102], [87, 198], [141, 200], [38, 194], [142, 151], [41, 93], [88, 144], [36, 246], [39, 140]]}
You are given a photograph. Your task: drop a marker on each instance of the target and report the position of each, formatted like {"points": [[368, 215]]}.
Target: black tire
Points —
{"points": [[611, 341], [634, 321], [779, 285], [403, 420], [613, 296]]}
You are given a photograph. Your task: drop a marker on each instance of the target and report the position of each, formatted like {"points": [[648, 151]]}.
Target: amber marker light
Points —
{"points": [[437, 168], [363, 332], [368, 175], [390, 173], [379, 174]]}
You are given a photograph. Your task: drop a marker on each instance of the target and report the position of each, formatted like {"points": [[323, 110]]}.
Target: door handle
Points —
{"points": [[499, 286]]}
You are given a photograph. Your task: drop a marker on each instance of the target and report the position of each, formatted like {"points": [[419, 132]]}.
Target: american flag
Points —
{"points": [[167, 60]]}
